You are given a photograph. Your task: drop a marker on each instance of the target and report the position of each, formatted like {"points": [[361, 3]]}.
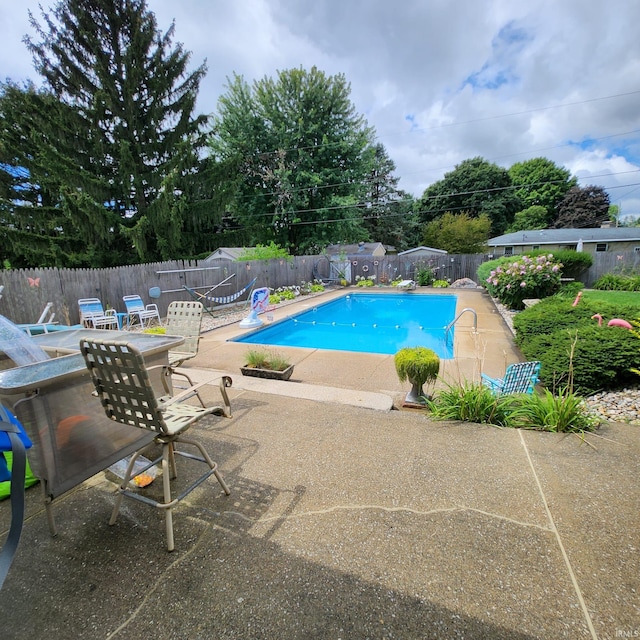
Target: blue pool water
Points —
{"points": [[367, 322]]}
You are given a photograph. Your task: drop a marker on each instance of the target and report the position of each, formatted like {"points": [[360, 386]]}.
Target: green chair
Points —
{"points": [[520, 377]]}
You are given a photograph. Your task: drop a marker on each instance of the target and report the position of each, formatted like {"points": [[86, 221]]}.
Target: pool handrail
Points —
{"points": [[475, 321]]}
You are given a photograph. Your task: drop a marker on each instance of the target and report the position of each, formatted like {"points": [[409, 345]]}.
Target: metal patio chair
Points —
{"points": [[93, 315], [520, 377], [184, 318], [122, 382], [137, 310]]}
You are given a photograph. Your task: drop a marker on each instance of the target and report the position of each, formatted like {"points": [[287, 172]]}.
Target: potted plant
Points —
{"points": [[418, 365], [261, 363]]}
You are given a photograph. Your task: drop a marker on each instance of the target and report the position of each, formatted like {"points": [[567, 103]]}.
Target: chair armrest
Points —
{"points": [[224, 383], [492, 383]]}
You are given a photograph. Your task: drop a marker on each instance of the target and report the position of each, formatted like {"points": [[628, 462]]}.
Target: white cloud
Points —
{"points": [[440, 81]]}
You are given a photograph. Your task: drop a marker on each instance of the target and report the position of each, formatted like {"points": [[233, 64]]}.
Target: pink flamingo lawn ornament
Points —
{"points": [[619, 322], [614, 322], [575, 302]]}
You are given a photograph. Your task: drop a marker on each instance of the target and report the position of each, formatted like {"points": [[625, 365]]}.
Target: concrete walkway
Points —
{"points": [[350, 520]]}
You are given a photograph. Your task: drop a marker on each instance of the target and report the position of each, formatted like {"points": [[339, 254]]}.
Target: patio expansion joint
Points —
{"points": [[572, 576]]}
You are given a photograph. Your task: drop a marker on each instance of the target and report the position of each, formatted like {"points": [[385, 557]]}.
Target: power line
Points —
{"points": [[373, 180], [443, 196], [527, 111]]}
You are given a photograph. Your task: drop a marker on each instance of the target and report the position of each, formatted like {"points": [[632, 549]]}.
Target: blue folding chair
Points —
{"points": [[520, 377]]}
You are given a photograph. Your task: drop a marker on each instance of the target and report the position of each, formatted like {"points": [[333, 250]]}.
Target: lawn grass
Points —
{"points": [[631, 298]]}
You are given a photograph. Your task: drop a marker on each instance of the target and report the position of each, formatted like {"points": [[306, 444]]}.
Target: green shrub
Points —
{"points": [[365, 281], [524, 277], [265, 252], [440, 284], [569, 290], [486, 268], [574, 263], [593, 358], [471, 402], [557, 313], [617, 282], [424, 276]]}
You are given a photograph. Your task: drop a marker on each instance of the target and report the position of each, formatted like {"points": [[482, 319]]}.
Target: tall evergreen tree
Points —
{"points": [[35, 231], [388, 214], [303, 156], [133, 139]]}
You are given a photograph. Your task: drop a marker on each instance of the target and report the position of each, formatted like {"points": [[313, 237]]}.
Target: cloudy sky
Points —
{"points": [[439, 80]]}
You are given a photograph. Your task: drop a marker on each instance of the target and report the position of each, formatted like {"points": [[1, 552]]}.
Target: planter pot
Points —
{"points": [[270, 374], [415, 397]]}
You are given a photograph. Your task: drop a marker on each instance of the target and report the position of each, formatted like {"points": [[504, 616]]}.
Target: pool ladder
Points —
{"points": [[475, 321]]}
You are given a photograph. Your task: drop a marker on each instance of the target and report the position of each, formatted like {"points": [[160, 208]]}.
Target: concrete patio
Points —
{"points": [[350, 519]]}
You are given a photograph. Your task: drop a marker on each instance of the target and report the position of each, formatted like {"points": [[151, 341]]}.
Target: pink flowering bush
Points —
{"points": [[525, 277]]}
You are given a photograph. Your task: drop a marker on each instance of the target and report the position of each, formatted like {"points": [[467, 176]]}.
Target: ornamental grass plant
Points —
{"points": [[559, 412], [263, 359], [471, 402]]}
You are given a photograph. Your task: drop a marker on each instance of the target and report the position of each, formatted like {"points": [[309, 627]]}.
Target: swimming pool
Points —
{"points": [[367, 322]]}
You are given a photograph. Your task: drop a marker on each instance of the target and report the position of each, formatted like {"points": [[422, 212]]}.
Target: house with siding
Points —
{"points": [[606, 239]]}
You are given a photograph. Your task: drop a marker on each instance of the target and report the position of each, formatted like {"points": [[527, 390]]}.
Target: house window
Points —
{"points": [[601, 246], [508, 251]]}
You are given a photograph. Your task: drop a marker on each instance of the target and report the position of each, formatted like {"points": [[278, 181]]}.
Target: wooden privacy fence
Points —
{"points": [[26, 292]]}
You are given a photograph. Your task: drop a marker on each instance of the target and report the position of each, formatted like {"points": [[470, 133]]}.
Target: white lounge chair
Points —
{"points": [[406, 284], [139, 312]]}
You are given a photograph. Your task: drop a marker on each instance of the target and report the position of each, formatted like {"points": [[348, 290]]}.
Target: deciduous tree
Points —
{"points": [[540, 182], [583, 207], [533, 217], [303, 156], [458, 233], [475, 186]]}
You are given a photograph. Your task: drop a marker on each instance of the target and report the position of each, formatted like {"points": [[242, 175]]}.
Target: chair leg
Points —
{"points": [[172, 460], [123, 486], [213, 465], [167, 456]]}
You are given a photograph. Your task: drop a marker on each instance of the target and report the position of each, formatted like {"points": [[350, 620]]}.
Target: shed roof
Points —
{"points": [[362, 248], [408, 252]]}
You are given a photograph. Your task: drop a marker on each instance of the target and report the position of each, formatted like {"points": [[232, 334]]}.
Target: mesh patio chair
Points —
{"points": [[93, 315], [137, 311], [184, 319], [123, 385], [520, 377]]}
